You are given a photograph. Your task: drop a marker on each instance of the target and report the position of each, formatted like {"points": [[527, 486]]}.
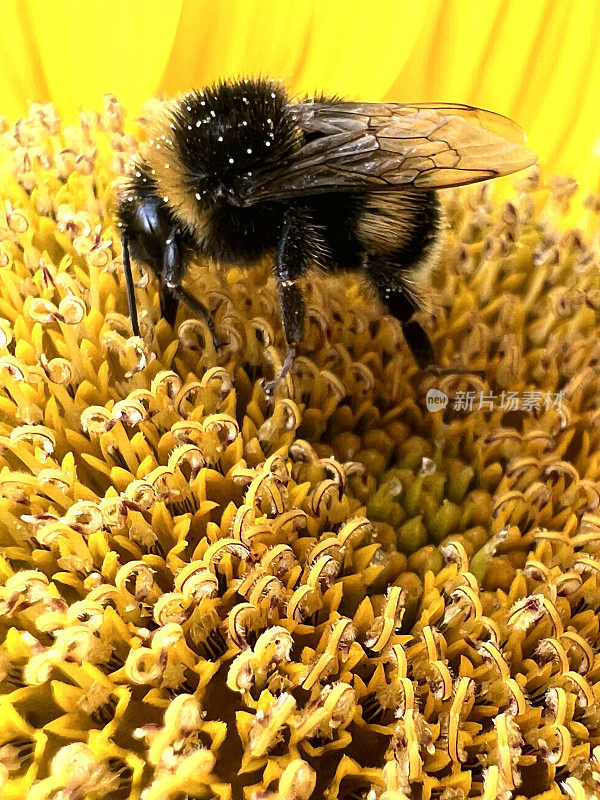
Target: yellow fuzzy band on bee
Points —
{"points": [[341, 593], [166, 167]]}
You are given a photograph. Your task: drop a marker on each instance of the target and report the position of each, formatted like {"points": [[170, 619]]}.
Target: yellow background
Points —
{"points": [[537, 61]]}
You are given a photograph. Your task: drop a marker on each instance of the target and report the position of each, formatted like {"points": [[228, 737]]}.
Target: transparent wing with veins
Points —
{"points": [[379, 146]]}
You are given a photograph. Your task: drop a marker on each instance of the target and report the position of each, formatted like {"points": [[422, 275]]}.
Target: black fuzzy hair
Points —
{"points": [[214, 129]]}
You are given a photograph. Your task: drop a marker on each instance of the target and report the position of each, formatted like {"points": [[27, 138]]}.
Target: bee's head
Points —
{"points": [[211, 143]]}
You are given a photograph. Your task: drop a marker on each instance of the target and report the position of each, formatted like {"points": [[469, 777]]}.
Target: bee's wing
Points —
{"points": [[371, 146]]}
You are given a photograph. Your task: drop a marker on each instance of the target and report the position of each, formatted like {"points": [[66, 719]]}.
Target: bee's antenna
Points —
{"points": [[130, 286]]}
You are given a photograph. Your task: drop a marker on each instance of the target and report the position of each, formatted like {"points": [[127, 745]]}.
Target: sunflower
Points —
{"points": [[342, 592], [380, 584]]}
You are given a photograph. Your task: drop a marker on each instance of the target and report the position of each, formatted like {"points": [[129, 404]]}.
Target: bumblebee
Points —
{"points": [[238, 171]]}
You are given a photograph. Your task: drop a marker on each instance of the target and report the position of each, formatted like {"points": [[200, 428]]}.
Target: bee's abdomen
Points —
{"points": [[403, 227], [399, 228]]}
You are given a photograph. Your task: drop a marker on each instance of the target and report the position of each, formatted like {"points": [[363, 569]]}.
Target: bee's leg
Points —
{"points": [[173, 292], [168, 304], [402, 306], [402, 303], [292, 319], [130, 286], [200, 311], [418, 343], [292, 259]]}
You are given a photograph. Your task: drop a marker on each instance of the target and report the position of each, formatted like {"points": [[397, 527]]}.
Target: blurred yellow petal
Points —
{"points": [[72, 53]]}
